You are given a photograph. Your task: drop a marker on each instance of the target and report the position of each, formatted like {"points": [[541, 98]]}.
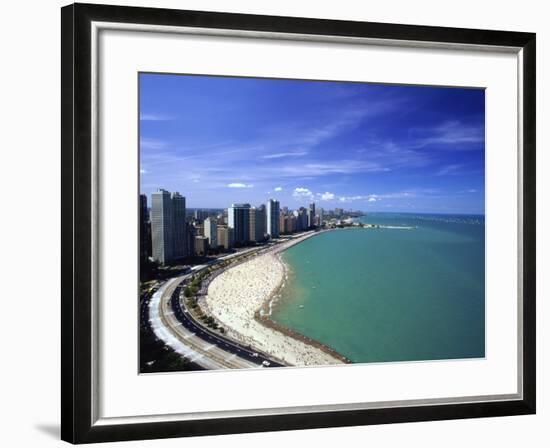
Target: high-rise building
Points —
{"points": [[201, 245], [257, 224], [272, 218], [211, 232], [320, 215], [179, 225], [297, 220], [161, 226], [238, 219], [300, 216], [225, 237], [262, 220], [287, 223], [338, 212], [301, 219], [168, 226], [291, 223], [191, 234], [282, 218], [199, 228], [311, 215], [144, 229]]}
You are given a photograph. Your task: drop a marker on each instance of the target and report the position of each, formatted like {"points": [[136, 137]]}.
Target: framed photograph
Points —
{"points": [[275, 223]]}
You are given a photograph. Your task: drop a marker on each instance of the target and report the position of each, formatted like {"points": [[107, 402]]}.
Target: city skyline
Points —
{"points": [[167, 235], [365, 147]]}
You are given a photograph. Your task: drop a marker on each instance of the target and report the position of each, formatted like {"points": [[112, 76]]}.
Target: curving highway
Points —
{"points": [[177, 329], [214, 337], [173, 323]]}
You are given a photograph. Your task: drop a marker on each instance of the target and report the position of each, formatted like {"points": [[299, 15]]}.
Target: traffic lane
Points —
{"points": [[221, 342], [205, 335]]}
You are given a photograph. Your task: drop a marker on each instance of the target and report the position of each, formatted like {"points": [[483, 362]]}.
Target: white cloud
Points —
{"points": [[194, 177], [142, 171], [449, 170], [453, 133], [278, 188], [326, 196], [301, 192], [151, 143], [155, 117], [239, 185], [315, 169], [280, 155], [377, 197], [352, 198]]}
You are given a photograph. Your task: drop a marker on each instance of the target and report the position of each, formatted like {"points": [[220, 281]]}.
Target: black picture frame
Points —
{"points": [[76, 218]]}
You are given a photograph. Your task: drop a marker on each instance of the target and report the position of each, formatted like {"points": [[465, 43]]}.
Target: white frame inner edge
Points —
{"points": [[95, 30]]}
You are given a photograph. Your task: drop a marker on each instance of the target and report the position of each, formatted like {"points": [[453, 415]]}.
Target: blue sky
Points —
{"points": [[371, 147]]}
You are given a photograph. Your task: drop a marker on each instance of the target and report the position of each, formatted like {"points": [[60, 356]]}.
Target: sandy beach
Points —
{"points": [[236, 296]]}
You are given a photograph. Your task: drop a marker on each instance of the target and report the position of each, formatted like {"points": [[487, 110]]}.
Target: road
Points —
{"points": [[175, 326], [190, 339], [167, 328], [214, 337]]}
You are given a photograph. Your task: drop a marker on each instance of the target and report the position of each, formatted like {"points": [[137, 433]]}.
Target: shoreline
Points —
{"points": [[270, 323], [250, 287], [265, 317]]}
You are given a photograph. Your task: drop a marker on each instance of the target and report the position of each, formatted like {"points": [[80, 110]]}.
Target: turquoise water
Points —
{"points": [[378, 295]]}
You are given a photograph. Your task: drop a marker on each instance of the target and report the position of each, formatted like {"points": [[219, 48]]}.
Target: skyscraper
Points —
{"points": [[201, 245], [282, 220], [321, 213], [297, 221], [178, 222], [143, 229], [225, 237], [272, 216], [301, 218], [191, 234], [168, 226], [291, 223], [238, 219], [161, 226], [211, 232], [263, 220], [257, 224], [311, 215]]}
